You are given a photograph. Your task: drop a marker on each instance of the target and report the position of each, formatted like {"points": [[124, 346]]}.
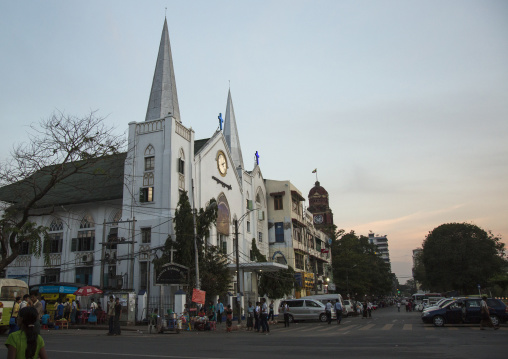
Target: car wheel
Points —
{"points": [[438, 321], [495, 320], [322, 317], [291, 319]]}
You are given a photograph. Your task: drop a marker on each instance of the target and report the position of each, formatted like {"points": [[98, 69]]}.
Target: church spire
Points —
{"points": [[163, 97], [231, 133]]}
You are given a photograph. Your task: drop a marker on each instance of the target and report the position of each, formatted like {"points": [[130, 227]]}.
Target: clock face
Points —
{"points": [[318, 219], [222, 163]]}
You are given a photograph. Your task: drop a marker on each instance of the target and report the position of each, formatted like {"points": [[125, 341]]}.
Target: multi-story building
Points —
{"points": [[381, 243], [293, 238]]}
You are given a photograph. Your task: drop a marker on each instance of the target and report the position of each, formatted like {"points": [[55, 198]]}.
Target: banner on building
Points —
{"points": [[198, 296]]}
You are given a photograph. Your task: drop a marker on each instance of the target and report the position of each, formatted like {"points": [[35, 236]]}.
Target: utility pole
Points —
{"points": [[196, 258], [238, 276]]}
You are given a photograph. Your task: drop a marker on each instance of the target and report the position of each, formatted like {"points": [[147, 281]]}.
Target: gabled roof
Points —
{"points": [[102, 181], [163, 96]]}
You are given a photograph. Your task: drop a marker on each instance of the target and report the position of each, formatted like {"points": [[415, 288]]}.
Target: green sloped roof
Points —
{"points": [[101, 181], [198, 145]]}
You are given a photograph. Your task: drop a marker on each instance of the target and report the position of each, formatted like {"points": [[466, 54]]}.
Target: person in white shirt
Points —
{"points": [[329, 312], [285, 310]]}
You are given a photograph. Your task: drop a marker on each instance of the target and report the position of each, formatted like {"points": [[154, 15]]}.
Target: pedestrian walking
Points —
{"points": [[264, 316], [250, 317], [398, 306], [40, 312], [111, 315], [211, 311], [26, 343], [485, 315], [285, 310], [220, 311], [229, 318], [257, 316], [118, 312], [328, 310], [338, 311], [271, 313], [13, 322], [369, 309]]}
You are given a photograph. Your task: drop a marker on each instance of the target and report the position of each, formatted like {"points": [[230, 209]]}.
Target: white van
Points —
{"points": [[324, 298]]}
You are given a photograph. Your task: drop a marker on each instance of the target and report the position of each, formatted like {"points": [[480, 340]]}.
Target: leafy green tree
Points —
{"points": [[459, 256], [274, 284], [357, 269], [214, 274]]}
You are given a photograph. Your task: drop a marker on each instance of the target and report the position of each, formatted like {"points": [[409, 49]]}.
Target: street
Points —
{"points": [[388, 334]]}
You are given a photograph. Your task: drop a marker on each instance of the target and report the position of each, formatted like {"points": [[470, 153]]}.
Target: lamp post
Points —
{"points": [[238, 277]]}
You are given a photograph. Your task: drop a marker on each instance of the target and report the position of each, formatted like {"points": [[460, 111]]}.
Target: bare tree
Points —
{"points": [[60, 148]]}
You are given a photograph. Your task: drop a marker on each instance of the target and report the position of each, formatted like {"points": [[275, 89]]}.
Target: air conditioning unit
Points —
{"points": [[87, 258]]}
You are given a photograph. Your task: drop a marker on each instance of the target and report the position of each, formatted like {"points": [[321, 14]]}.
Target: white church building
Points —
{"points": [[137, 204]]}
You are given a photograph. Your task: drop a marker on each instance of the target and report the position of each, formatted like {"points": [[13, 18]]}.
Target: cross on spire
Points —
{"points": [[220, 120], [257, 158]]}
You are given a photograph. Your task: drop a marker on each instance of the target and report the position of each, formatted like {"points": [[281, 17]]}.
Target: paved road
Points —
{"points": [[388, 334]]}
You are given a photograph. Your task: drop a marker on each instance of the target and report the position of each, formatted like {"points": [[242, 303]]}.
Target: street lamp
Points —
{"points": [[238, 277]]}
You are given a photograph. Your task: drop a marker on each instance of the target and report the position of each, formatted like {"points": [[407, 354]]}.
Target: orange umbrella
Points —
{"points": [[88, 290]]}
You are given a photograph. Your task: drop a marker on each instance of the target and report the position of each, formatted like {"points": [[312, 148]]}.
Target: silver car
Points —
{"points": [[304, 309]]}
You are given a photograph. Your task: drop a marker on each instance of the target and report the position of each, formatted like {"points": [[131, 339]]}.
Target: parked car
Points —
{"points": [[305, 309], [348, 307], [465, 310], [441, 303]]}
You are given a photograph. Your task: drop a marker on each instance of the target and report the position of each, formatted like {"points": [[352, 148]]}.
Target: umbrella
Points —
{"points": [[88, 290]]}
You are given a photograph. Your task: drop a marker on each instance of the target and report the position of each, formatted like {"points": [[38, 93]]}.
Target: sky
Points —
{"points": [[402, 106]]}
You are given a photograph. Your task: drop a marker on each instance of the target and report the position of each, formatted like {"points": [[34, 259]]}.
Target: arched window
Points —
{"points": [[86, 235], [181, 170], [55, 236], [148, 179], [146, 192], [223, 223]]}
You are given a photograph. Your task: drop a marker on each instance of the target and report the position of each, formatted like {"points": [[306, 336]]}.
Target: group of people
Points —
{"points": [[258, 316], [114, 313], [328, 310]]}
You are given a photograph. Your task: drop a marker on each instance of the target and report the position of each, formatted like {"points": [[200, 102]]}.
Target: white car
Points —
{"points": [[348, 307]]}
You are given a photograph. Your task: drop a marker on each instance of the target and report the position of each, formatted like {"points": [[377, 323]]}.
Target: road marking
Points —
{"points": [[407, 327], [348, 327], [387, 327], [323, 330], [131, 355], [367, 327]]}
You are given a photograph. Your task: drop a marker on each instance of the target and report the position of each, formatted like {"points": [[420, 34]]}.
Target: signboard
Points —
{"points": [[172, 273], [20, 273], [57, 289], [198, 296]]}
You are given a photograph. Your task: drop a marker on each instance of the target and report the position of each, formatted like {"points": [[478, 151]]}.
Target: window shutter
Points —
{"points": [[261, 215], [74, 244], [92, 243], [250, 206], [142, 196]]}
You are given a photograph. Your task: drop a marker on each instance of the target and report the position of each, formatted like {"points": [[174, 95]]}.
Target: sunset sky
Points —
{"points": [[402, 106]]}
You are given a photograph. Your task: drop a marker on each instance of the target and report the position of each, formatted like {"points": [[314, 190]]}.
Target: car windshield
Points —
{"points": [[445, 302]]}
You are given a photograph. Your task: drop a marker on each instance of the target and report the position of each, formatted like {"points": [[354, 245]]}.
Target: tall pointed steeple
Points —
{"points": [[231, 133], [163, 97]]}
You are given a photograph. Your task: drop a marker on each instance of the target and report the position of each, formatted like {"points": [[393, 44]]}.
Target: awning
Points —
{"points": [[258, 266], [273, 194], [298, 223], [297, 195]]}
